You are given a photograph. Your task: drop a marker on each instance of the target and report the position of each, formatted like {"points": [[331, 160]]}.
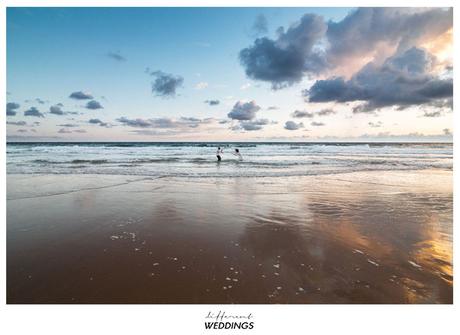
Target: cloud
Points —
{"points": [[184, 123], [11, 108], [402, 80], [201, 85], [432, 114], [244, 111], [312, 47], [284, 61], [291, 125], [301, 114], [68, 125], [317, 124], [271, 108], [40, 101], [368, 32], [97, 121], [70, 131], [57, 109], [253, 125], [212, 102], [137, 123], [447, 131], [260, 26], [375, 124], [32, 111], [165, 85], [93, 104], [326, 112], [17, 123], [116, 56], [22, 130], [81, 95]]}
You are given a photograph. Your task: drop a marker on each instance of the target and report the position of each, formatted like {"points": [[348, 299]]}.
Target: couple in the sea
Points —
{"points": [[220, 153]]}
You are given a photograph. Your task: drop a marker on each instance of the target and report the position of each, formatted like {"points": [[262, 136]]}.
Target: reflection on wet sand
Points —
{"points": [[365, 238]]}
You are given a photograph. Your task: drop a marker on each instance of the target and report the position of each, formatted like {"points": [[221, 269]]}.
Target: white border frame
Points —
{"points": [[189, 319]]}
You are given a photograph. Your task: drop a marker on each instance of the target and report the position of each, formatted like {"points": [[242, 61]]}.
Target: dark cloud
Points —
{"points": [[401, 81], [98, 122], [22, 130], [93, 104], [284, 61], [317, 124], [165, 84], [312, 46], [375, 124], [11, 108], [40, 101], [17, 123], [212, 102], [326, 112], [81, 95], [260, 26], [137, 123], [116, 56], [302, 114], [57, 110], [432, 114], [165, 123], [32, 111], [253, 125], [244, 111], [291, 125], [70, 131], [68, 125]]}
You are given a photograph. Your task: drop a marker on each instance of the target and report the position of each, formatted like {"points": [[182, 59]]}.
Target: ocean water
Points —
{"points": [[199, 160]]}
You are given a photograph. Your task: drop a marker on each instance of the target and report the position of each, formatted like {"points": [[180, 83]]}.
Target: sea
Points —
{"points": [[198, 159]]}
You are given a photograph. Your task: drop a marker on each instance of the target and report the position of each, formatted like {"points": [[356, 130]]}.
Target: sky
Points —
{"points": [[229, 74]]}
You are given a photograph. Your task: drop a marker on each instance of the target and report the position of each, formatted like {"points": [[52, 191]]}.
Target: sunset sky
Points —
{"points": [[229, 74]]}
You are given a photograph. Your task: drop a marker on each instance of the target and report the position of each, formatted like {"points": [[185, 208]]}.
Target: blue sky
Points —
{"points": [[113, 53]]}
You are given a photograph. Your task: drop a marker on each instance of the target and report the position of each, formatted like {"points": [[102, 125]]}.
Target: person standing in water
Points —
{"points": [[219, 154], [237, 154]]}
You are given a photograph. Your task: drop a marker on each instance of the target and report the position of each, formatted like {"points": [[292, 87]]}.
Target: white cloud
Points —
{"points": [[201, 85]]}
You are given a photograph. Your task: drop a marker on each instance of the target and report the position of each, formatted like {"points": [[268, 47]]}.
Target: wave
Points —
{"points": [[90, 161]]}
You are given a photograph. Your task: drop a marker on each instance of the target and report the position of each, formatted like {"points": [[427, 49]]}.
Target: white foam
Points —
{"points": [[373, 263], [415, 264]]}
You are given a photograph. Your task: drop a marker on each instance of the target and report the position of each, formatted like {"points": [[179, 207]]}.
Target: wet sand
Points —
{"points": [[377, 237]]}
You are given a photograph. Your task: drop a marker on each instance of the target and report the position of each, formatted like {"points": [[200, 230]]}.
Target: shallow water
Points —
{"points": [[363, 237]]}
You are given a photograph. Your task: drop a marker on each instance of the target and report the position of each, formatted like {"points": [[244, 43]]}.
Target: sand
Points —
{"points": [[368, 237]]}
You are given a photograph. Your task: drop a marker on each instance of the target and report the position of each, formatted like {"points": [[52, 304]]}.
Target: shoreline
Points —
{"points": [[365, 237]]}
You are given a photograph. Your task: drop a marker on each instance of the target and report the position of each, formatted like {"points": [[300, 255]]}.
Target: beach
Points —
{"points": [[370, 236]]}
